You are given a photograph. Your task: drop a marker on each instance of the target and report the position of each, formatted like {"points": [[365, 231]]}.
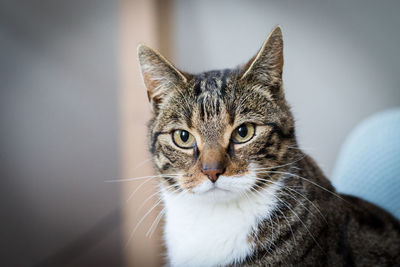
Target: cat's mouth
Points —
{"points": [[216, 193], [224, 189], [211, 188], [216, 188]]}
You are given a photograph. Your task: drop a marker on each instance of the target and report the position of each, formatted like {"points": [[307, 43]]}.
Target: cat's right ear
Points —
{"points": [[159, 75]]}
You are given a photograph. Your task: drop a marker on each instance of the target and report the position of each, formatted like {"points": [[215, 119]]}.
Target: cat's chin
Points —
{"points": [[217, 195]]}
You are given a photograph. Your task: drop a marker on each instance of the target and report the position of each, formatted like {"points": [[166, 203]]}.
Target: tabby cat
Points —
{"points": [[236, 188]]}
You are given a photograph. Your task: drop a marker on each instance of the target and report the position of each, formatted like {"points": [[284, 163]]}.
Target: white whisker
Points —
{"points": [[280, 166], [141, 178], [151, 196], [137, 188], [140, 164], [297, 216], [305, 179], [153, 226], [141, 220]]}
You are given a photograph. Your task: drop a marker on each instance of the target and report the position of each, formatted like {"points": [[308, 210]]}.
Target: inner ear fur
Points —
{"points": [[159, 75]]}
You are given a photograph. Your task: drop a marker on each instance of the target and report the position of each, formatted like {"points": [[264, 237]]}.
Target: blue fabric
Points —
{"points": [[369, 162]]}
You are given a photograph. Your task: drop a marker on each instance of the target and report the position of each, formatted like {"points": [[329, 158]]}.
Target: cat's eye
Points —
{"points": [[183, 139], [243, 133]]}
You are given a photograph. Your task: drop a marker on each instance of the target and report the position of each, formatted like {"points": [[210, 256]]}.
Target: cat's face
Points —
{"points": [[215, 134]]}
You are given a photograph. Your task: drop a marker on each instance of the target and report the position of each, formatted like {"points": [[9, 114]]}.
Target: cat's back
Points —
{"points": [[368, 235], [358, 233], [355, 233]]}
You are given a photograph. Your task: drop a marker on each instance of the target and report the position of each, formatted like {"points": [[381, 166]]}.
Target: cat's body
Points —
{"points": [[333, 230], [236, 189]]}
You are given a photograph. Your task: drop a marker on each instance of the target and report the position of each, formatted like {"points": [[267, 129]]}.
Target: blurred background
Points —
{"points": [[73, 109]]}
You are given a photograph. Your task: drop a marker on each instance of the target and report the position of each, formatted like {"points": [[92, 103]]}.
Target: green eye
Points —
{"points": [[183, 139], [243, 133]]}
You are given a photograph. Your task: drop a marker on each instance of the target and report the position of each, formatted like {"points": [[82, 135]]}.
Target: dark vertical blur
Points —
{"points": [[59, 133]]}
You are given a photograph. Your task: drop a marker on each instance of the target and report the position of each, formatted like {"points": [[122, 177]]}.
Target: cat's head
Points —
{"points": [[218, 132]]}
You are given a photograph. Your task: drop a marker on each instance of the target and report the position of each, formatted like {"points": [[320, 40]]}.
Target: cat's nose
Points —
{"points": [[213, 161], [213, 173]]}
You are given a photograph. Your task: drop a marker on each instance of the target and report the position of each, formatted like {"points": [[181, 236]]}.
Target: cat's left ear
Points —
{"points": [[159, 75], [265, 68]]}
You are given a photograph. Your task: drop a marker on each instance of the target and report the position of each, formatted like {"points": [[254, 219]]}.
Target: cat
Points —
{"points": [[236, 188]]}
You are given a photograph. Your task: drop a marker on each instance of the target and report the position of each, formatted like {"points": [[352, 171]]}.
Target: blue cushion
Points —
{"points": [[369, 162]]}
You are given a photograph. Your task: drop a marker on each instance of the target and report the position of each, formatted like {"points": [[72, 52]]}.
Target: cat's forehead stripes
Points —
{"points": [[212, 82], [211, 116], [212, 94]]}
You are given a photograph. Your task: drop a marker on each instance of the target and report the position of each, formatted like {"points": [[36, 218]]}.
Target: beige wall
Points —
{"points": [[141, 22]]}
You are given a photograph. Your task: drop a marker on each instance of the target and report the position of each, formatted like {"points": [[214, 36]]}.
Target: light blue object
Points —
{"points": [[369, 162]]}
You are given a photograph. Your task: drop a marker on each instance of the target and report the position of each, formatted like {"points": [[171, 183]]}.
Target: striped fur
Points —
{"points": [[271, 206]]}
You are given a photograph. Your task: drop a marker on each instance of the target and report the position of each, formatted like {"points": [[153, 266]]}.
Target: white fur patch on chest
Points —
{"points": [[204, 233]]}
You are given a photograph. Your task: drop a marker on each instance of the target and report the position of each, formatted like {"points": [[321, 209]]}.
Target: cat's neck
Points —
{"points": [[222, 228]]}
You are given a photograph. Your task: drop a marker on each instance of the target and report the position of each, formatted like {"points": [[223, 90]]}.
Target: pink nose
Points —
{"points": [[213, 174]]}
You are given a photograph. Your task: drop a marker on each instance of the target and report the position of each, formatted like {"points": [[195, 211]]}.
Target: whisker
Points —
{"points": [[305, 179], [141, 178], [280, 166], [262, 192], [297, 216], [140, 164], [141, 220], [318, 210], [291, 230], [151, 196], [297, 201], [155, 223], [283, 202], [295, 146], [137, 189], [291, 188], [159, 216]]}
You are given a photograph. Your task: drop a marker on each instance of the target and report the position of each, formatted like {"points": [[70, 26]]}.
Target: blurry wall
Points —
{"points": [[341, 57], [59, 133]]}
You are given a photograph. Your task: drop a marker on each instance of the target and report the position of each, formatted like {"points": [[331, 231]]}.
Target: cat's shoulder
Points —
{"points": [[368, 215]]}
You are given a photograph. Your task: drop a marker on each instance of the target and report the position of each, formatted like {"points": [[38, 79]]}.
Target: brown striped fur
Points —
{"points": [[313, 225]]}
